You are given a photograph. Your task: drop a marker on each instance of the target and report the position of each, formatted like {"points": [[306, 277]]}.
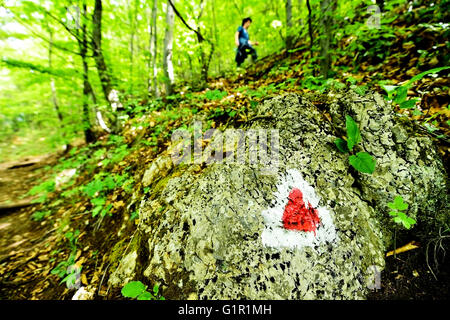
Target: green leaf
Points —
{"points": [[402, 215], [341, 144], [106, 210], [410, 220], [401, 94], [71, 279], [145, 296], [406, 224], [133, 289], [389, 90], [353, 135], [96, 211], [93, 187], [408, 104], [155, 289], [399, 204], [253, 104], [393, 213], [98, 201], [421, 75], [109, 182], [363, 162]]}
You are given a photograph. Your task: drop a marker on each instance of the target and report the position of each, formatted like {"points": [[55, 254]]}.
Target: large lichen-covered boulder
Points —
{"points": [[216, 231]]}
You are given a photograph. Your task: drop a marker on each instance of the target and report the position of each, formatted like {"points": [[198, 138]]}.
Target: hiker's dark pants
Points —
{"points": [[243, 52]]}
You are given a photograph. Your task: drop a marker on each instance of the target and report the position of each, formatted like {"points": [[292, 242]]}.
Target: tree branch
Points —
{"points": [[199, 35]]}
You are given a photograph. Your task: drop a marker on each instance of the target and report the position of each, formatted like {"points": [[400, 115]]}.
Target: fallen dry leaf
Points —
{"points": [[410, 246]]}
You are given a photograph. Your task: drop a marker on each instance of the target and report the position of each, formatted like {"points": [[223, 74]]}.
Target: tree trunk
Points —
{"points": [[153, 84], [167, 55], [132, 14], [97, 49], [326, 8], [216, 35], [111, 95], [52, 82], [289, 34], [311, 40], [204, 58], [87, 89]]}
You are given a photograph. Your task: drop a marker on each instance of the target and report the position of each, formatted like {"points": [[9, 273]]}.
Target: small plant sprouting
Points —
{"points": [[138, 290], [69, 270], [362, 161], [397, 215]]}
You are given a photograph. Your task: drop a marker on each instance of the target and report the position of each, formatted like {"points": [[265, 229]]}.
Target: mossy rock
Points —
{"points": [[218, 236]]}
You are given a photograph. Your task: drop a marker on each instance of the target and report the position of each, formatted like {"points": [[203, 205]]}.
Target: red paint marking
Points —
{"points": [[297, 216]]}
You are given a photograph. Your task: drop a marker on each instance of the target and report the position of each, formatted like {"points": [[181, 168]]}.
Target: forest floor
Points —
{"points": [[20, 236], [36, 240]]}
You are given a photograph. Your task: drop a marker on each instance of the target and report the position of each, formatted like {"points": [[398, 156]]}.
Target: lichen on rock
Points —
{"points": [[202, 235]]}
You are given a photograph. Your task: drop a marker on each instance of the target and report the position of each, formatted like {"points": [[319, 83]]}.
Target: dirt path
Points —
{"points": [[22, 240]]}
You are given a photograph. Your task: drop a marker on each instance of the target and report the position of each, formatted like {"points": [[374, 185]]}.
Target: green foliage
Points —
{"points": [[61, 269], [133, 289], [68, 270], [40, 215], [27, 102], [399, 93], [215, 94], [362, 161], [397, 215], [353, 135], [99, 188], [262, 91], [138, 290], [73, 239], [341, 144], [134, 215], [320, 84], [218, 112], [43, 190], [361, 90], [72, 274]]}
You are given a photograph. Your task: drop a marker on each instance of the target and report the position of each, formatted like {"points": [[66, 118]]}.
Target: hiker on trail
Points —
{"points": [[244, 45]]}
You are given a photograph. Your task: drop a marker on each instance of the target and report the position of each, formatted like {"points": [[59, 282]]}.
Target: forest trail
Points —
{"points": [[20, 236]]}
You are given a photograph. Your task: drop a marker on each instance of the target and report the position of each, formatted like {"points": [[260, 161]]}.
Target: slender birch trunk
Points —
{"points": [[167, 54], [153, 84], [52, 81]]}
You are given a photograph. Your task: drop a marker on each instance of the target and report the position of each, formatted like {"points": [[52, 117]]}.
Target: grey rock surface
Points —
{"points": [[200, 231]]}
